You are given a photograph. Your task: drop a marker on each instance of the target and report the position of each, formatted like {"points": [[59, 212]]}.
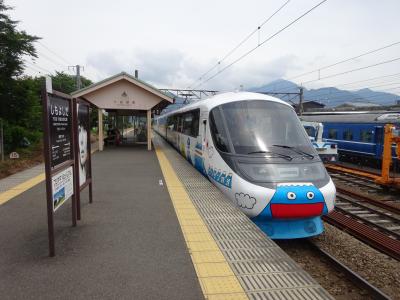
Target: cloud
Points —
{"points": [[173, 69], [245, 200]]}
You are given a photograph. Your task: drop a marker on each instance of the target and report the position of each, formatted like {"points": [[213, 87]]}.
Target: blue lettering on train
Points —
{"points": [[220, 177]]}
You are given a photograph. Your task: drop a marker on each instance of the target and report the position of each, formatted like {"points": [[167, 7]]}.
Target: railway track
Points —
{"points": [[350, 274], [306, 251], [367, 211]]}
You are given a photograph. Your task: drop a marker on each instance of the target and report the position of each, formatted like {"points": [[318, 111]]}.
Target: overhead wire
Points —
{"points": [[54, 53], [263, 42], [240, 44], [340, 62], [354, 70]]}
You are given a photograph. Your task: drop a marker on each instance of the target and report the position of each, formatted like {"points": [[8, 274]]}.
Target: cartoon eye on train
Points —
{"points": [[254, 148]]}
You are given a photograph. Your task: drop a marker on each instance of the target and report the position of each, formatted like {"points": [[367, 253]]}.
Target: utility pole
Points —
{"points": [[301, 101], [77, 68]]}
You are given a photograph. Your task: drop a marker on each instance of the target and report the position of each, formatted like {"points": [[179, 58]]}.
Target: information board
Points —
{"points": [[62, 187], [60, 122]]}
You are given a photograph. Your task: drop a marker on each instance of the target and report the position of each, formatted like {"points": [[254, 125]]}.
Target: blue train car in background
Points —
{"points": [[359, 135]]}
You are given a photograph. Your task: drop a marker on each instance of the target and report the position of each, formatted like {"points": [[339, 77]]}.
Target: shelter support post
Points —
{"points": [[149, 129], [101, 135]]}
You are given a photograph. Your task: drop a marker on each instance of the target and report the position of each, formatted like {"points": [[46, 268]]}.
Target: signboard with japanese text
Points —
{"points": [[60, 123], [62, 187]]}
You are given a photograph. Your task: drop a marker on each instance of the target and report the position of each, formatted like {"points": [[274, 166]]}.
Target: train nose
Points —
{"points": [[294, 211]]}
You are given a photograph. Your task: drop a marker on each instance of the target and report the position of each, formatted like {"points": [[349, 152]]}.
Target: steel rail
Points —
{"points": [[388, 232], [365, 233], [380, 203], [353, 276]]}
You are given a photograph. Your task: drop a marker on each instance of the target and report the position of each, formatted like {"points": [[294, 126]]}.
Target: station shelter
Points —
{"points": [[127, 104]]}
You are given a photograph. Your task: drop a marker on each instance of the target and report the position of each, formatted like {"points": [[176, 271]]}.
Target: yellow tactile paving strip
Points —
{"points": [[20, 188], [215, 275], [23, 187]]}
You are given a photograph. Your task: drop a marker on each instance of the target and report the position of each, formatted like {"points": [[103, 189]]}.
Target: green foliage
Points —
{"points": [[20, 106], [13, 45], [65, 83]]}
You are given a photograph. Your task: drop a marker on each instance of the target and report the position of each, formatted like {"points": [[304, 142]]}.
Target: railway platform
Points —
{"points": [[157, 229]]}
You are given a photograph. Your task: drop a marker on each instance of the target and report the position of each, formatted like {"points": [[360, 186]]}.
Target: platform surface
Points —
{"points": [[157, 229], [128, 245], [263, 270]]}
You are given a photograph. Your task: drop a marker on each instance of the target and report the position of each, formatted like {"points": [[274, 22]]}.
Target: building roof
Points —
{"points": [[123, 75]]}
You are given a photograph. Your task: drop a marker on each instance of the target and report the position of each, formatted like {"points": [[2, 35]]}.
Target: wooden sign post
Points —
{"points": [[59, 158]]}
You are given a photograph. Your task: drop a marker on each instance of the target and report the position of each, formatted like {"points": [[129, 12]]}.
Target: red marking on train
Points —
{"points": [[292, 211]]}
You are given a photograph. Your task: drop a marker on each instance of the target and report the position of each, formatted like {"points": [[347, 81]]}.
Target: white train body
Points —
{"points": [[255, 150]]}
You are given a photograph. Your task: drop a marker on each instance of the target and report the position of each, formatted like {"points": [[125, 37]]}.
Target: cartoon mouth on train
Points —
{"points": [[297, 201]]}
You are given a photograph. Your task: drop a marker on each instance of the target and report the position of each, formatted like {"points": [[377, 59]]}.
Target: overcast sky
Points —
{"points": [[173, 42]]}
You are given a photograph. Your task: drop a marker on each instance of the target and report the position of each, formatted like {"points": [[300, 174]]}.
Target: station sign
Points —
{"points": [[67, 154], [60, 125]]}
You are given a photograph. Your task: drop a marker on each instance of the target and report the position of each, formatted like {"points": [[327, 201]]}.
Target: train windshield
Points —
{"points": [[257, 126]]}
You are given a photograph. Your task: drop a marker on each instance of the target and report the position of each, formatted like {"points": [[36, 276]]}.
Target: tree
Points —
{"points": [[14, 44], [67, 83], [19, 97]]}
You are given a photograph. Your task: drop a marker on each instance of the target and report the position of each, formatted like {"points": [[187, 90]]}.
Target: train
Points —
{"points": [[254, 149], [359, 135], [327, 151]]}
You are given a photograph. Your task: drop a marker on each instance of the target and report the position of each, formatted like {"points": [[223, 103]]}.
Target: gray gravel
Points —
{"points": [[377, 268]]}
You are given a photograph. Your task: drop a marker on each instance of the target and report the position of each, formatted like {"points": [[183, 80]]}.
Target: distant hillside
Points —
{"points": [[330, 96]]}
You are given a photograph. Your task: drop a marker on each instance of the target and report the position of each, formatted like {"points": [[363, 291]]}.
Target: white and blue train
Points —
{"points": [[255, 150]]}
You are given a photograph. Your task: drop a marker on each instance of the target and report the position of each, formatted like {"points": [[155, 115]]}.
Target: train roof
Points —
{"points": [[223, 98], [382, 117]]}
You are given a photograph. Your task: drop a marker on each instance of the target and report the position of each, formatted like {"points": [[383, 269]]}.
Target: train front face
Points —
{"points": [[269, 167]]}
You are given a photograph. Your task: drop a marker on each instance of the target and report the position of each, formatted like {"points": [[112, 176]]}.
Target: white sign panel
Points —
{"points": [[14, 155], [62, 187]]}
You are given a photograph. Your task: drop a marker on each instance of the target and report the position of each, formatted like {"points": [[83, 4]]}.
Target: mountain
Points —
{"points": [[330, 96]]}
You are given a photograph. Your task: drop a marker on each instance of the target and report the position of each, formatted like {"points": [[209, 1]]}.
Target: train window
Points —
{"points": [[187, 123], [332, 134], [348, 135], [310, 131], [178, 123], [366, 135], [195, 124], [218, 130]]}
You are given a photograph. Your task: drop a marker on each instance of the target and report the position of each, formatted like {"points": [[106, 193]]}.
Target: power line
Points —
{"points": [[263, 42], [378, 77], [36, 66], [41, 55], [354, 70], [54, 53], [345, 60], [241, 43], [342, 61]]}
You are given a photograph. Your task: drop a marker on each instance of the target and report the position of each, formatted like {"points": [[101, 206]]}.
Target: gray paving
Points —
{"points": [[128, 245], [264, 270], [18, 178]]}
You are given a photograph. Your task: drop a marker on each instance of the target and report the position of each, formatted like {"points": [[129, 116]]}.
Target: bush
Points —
{"points": [[14, 136]]}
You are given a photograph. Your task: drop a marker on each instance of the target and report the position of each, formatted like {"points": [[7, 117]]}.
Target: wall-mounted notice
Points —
{"points": [[83, 142], [60, 120], [62, 186]]}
